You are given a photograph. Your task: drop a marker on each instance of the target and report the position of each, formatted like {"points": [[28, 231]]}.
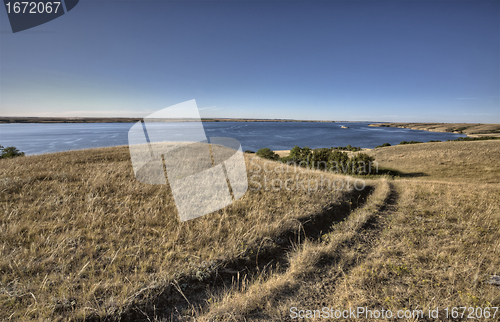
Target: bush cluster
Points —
{"points": [[331, 160], [267, 153], [347, 148], [10, 152], [382, 145]]}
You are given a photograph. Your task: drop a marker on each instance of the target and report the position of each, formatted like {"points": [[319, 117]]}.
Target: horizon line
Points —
{"points": [[223, 119]]}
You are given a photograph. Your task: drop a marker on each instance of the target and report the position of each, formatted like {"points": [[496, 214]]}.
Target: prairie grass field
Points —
{"points": [[82, 240]]}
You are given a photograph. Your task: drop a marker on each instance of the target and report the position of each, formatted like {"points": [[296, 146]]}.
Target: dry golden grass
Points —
{"points": [[80, 237], [282, 153], [473, 161], [438, 249], [271, 296], [429, 241]]}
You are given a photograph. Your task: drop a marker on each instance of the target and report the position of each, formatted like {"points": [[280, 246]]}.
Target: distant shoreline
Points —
{"points": [[7, 119], [470, 129]]}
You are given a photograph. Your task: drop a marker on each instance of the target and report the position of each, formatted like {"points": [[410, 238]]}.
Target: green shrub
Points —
{"points": [[10, 152], [361, 164], [267, 153], [332, 160], [381, 146], [298, 156], [347, 148], [320, 158], [409, 142], [338, 162]]}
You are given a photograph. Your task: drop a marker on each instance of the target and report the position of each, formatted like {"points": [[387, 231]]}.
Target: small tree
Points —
{"points": [[361, 164], [320, 158], [296, 152], [10, 152], [338, 162], [306, 153], [267, 153], [294, 157]]}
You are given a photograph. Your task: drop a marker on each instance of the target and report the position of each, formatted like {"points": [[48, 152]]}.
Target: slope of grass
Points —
{"points": [[80, 237], [431, 241], [438, 249], [269, 297], [475, 161]]}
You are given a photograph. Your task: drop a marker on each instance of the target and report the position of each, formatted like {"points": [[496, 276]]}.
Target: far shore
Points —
{"points": [[470, 129], [13, 119]]}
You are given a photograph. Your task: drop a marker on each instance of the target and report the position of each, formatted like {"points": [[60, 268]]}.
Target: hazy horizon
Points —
{"points": [[242, 118]]}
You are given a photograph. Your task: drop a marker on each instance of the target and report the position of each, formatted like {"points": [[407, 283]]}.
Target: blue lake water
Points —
{"points": [[37, 138]]}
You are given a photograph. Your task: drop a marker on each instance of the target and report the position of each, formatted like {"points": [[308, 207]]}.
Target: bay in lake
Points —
{"points": [[37, 138]]}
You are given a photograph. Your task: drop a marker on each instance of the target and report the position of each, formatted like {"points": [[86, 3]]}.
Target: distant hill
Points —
{"points": [[471, 129]]}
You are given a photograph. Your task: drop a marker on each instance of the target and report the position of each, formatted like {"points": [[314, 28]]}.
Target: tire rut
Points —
{"points": [[175, 303], [313, 292]]}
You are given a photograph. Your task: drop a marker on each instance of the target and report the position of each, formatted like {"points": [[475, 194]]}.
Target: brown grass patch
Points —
{"points": [[80, 237], [474, 161], [436, 244]]}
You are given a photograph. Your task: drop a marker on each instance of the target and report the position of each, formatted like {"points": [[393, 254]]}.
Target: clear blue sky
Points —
{"points": [[415, 61]]}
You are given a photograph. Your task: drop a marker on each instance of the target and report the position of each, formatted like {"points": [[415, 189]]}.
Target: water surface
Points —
{"points": [[37, 138]]}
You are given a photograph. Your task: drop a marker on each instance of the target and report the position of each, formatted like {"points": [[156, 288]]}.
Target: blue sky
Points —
{"points": [[408, 61]]}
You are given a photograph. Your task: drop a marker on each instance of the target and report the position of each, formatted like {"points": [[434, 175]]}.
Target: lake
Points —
{"points": [[37, 138]]}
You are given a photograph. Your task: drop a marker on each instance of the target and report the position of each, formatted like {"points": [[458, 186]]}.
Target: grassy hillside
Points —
{"points": [[432, 240], [468, 162], [82, 239]]}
